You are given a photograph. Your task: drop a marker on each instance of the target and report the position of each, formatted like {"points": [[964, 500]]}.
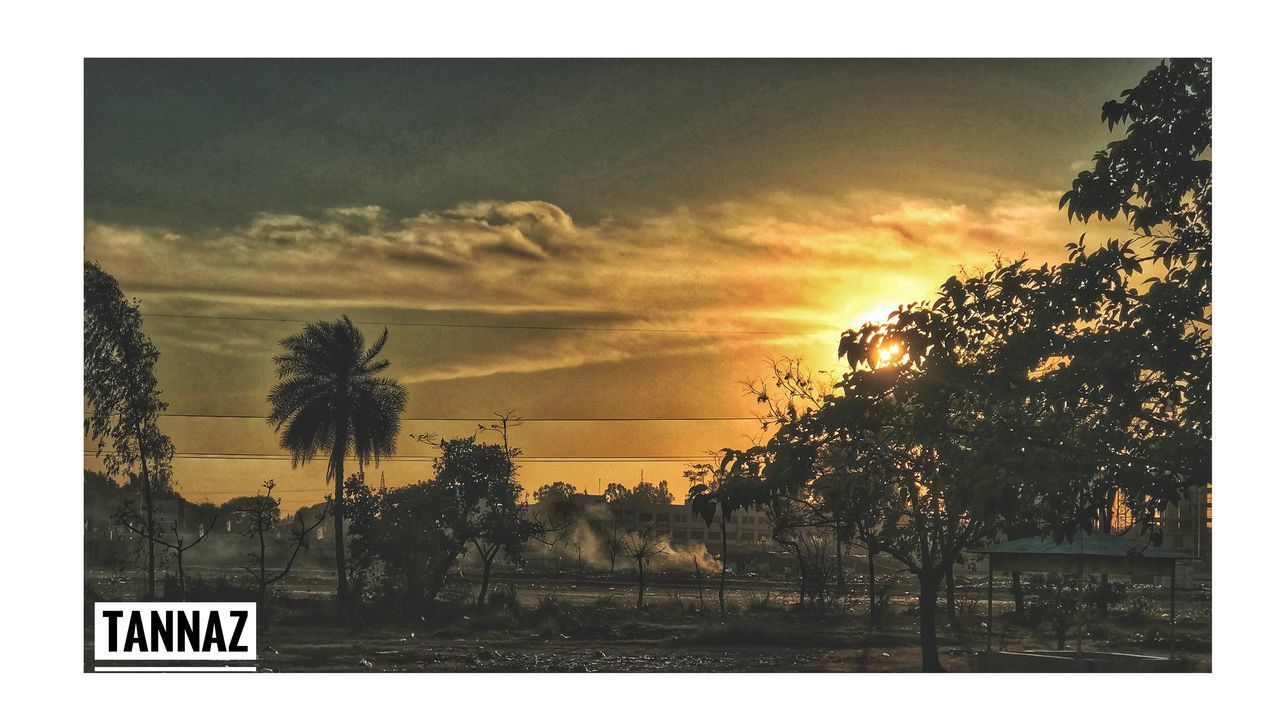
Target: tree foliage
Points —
{"points": [[554, 491], [406, 540], [490, 515], [715, 489], [122, 394], [645, 493], [1030, 396]]}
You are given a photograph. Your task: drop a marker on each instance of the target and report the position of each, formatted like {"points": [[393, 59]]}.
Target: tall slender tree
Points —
{"points": [[122, 395], [330, 399]]}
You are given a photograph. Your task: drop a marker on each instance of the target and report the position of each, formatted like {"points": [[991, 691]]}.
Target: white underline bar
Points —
{"points": [[154, 668]]}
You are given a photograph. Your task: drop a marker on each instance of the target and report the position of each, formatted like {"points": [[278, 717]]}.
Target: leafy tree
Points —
{"points": [[1037, 394], [1032, 396], [404, 541], [616, 493], [1159, 178], [650, 494], [554, 491], [330, 399], [806, 491], [481, 479], [917, 491], [714, 489], [122, 395], [644, 493]]}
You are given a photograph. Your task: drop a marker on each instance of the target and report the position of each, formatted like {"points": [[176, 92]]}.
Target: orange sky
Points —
{"points": [[582, 259]]}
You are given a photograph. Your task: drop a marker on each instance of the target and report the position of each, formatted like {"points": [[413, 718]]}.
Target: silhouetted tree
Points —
{"points": [[641, 546], [122, 395], [173, 538], [611, 535], [714, 490], [260, 516], [330, 399], [404, 541], [644, 493], [557, 513], [491, 517], [1032, 395], [650, 494], [554, 491]]}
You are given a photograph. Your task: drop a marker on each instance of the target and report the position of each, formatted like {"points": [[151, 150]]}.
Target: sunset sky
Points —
{"points": [[620, 239]]}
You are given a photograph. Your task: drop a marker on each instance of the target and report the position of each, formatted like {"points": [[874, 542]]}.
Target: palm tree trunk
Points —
{"points": [[339, 549]]}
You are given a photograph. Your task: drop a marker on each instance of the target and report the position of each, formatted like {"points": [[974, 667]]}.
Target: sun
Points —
{"points": [[888, 355]]}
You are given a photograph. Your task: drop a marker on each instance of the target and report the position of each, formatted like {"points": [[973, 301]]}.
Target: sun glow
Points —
{"points": [[888, 355]]}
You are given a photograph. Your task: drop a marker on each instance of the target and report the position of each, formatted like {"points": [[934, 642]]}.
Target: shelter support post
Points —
{"points": [[1173, 606], [1080, 606], [990, 582]]}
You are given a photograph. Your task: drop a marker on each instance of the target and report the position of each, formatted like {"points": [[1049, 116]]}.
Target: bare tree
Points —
{"points": [[128, 517], [262, 516], [612, 540], [642, 546]]}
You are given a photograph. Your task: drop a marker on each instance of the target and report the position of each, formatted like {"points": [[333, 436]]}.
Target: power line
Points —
{"points": [[531, 327], [431, 458], [198, 415]]}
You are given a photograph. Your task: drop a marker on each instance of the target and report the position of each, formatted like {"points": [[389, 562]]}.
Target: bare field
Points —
{"points": [[590, 623]]}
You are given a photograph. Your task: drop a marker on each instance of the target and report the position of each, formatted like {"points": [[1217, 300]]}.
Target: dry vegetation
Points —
{"points": [[589, 623]]}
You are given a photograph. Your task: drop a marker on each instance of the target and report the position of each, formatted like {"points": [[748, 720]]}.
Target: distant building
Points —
{"points": [[1188, 527]]}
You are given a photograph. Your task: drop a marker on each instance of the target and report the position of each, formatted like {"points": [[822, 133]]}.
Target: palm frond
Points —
{"points": [[325, 374]]}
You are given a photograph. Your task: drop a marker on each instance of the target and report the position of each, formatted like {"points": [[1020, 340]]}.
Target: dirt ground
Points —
{"points": [[589, 623]]}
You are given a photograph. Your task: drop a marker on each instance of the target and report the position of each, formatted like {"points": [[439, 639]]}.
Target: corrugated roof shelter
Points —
{"points": [[1089, 553], [1084, 553]]}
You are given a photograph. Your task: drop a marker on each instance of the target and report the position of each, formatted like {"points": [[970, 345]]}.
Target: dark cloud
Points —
{"points": [[190, 143]]}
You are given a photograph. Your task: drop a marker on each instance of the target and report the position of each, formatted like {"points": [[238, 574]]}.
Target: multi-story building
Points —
{"points": [[1188, 526]]}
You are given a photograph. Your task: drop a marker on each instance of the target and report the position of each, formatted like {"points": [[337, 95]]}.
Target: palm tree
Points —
{"points": [[329, 399]]}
